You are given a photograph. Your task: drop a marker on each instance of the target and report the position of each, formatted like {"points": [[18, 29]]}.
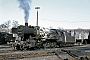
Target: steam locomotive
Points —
{"points": [[35, 37]]}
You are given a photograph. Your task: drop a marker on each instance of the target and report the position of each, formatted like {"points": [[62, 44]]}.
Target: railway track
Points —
{"points": [[16, 54], [8, 51], [68, 53], [27, 54]]}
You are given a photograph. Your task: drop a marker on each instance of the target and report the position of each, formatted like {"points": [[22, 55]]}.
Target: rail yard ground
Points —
{"points": [[64, 53]]}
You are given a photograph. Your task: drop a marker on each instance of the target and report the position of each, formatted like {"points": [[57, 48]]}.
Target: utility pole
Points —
{"points": [[37, 15]]}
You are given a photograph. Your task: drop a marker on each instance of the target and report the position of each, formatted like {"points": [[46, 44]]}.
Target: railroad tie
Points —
{"points": [[70, 53], [57, 54]]}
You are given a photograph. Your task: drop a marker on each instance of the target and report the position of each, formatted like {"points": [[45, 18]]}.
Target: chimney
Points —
{"points": [[26, 24]]}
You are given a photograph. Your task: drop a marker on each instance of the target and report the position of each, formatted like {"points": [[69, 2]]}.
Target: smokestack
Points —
{"points": [[26, 24]]}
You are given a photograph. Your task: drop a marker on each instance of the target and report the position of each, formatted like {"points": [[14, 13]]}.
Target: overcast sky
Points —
{"points": [[67, 14]]}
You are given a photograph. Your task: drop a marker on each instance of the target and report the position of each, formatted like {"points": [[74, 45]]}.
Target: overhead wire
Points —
{"points": [[67, 21]]}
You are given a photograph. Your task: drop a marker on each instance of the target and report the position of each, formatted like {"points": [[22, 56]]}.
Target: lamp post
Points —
{"points": [[37, 14]]}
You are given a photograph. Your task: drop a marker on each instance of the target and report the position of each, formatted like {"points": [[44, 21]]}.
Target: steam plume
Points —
{"points": [[24, 4]]}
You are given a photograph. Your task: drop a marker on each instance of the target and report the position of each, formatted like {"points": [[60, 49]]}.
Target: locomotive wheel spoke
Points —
{"points": [[46, 45]]}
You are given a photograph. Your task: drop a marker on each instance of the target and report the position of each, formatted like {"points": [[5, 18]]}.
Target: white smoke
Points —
{"points": [[25, 5]]}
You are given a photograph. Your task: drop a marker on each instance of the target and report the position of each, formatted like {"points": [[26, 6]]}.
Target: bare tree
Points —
{"points": [[50, 27], [15, 23], [7, 24], [3, 26]]}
